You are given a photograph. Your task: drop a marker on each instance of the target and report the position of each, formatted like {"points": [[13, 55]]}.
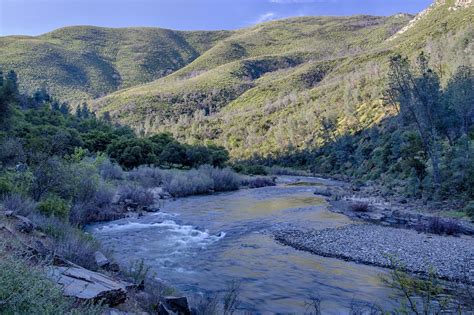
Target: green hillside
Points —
{"points": [[264, 90], [254, 65], [270, 88], [83, 62]]}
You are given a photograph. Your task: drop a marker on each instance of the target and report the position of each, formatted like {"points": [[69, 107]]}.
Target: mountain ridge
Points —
{"points": [[264, 89]]}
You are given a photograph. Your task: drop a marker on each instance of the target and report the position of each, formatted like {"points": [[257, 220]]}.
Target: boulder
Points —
{"points": [[89, 286], [177, 305], [101, 260]]}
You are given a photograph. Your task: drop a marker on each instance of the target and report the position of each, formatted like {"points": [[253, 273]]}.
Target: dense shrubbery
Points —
{"points": [[200, 181], [54, 206]]}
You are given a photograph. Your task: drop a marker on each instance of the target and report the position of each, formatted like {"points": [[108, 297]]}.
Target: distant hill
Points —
{"points": [[84, 62], [261, 90]]}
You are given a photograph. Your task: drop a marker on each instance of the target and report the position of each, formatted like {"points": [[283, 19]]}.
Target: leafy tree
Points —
{"points": [[173, 153], [132, 152], [419, 98]]}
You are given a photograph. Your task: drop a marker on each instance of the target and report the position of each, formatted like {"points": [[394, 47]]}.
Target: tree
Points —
{"points": [[459, 96], [8, 98], [106, 117], [173, 153], [64, 109], [419, 98]]}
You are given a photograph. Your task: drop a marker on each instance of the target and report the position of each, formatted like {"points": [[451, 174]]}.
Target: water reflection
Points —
{"points": [[199, 244]]}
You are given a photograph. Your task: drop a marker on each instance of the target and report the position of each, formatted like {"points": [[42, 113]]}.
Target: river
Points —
{"points": [[200, 244]]}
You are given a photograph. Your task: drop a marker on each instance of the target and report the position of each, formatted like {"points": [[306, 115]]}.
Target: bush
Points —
{"points": [[440, 226], [223, 179], [204, 180], [139, 195], [182, 184], [50, 176], [359, 206], [20, 205], [11, 152], [6, 185], [257, 182], [68, 242], [469, 210], [110, 171], [54, 206], [250, 169], [100, 208], [146, 176]]}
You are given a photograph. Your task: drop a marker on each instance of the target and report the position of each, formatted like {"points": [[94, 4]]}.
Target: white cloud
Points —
{"points": [[266, 17]]}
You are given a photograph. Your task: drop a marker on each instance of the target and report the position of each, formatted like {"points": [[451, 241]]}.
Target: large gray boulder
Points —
{"points": [[86, 285]]}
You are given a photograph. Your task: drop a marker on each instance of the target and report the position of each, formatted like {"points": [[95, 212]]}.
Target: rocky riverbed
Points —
{"points": [[452, 258]]}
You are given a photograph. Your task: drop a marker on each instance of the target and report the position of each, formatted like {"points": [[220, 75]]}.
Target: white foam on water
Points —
{"points": [[180, 237]]}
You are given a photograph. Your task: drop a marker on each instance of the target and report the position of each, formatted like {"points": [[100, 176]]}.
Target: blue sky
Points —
{"points": [[33, 17]]}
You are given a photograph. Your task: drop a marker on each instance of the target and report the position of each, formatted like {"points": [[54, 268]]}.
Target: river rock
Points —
{"points": [[89, 286], [101, 260], [323, 191], [175, 305]]}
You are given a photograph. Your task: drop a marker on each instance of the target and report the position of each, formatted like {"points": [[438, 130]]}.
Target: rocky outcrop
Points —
{"points": [[90, 286]]}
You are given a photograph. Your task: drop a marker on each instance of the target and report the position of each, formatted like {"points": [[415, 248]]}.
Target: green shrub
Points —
{"points": [[469, 210], [54, 206], [6, 186], [69, 242]]}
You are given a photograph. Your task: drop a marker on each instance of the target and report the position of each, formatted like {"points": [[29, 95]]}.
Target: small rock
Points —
{"points": [[25, 225], [101, 260], [178, 305], [21, 168], [322, 191], [114, 267], [8, 213], [150, 209]]}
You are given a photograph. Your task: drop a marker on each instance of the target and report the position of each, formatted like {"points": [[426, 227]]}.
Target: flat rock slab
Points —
{"points": [[88, 285], [452, 258]]}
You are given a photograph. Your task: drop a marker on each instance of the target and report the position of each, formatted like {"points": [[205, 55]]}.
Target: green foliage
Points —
{"points": [[249, 169], [419, 296], [469, 210], [54, 206], [24, 289]]}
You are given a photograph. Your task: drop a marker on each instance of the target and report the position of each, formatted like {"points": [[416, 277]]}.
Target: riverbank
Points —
{"points": [[388, 232], [451, 258]]}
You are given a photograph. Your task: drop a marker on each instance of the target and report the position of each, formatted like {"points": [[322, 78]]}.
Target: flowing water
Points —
{"points": [[201, 244]]}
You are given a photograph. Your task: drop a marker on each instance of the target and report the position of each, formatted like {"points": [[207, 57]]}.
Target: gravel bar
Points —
{"points": [[452, 258]]}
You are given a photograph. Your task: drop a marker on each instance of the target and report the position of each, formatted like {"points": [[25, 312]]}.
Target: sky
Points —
{"points": [[34, 17]]}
